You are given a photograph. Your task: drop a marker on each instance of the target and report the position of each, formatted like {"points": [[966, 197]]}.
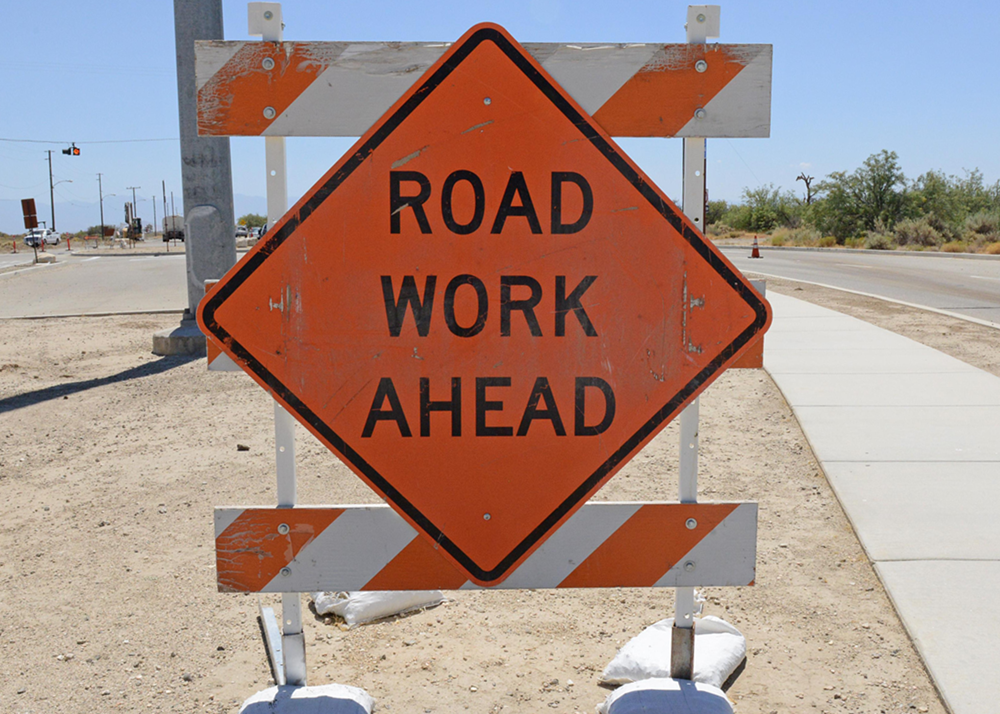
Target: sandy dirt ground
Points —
{"points": [[111, 460]]}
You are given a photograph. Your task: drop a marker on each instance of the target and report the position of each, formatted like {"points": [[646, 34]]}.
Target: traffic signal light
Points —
{"points": [[76, 151], [72, 150]]}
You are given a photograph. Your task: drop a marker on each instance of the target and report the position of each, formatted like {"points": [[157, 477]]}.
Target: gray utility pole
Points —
{"points": [[52, 193], [135, 203], [207, 177], [100, 195]]}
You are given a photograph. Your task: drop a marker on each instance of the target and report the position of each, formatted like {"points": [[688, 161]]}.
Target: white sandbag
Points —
{"points": [[666, 696], [358, 608], [718, 650], [323, 699]]}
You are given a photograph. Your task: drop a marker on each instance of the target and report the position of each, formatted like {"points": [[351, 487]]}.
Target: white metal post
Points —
{"points": [[264, 19], [702, 23]]}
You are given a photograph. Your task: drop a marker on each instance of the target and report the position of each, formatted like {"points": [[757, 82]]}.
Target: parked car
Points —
{"points": [[35, 236], [242, 231]]}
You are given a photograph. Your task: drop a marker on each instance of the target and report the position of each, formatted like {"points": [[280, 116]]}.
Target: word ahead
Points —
{"points": [[540, 392]]}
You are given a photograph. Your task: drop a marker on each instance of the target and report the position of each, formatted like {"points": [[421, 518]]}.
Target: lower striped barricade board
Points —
{"points": [[342, 548], [218, 361]]}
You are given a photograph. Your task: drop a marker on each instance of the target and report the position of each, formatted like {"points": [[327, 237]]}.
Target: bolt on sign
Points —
{"points": [[485, 308]]}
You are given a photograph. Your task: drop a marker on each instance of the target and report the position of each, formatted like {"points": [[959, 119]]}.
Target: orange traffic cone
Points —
{"points": [[756, 251]]}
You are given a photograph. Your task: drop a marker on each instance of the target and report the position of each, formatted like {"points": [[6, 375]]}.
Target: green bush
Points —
{"points": [[918, 232], [777, 240], [854, 203], [802, 236], [252, 220], [827, 242], [879, 241], [984, 223], [763, 209], [715, 211], [955, 246]]}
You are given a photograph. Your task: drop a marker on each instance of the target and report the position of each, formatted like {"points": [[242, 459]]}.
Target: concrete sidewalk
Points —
{"points": [[909, 439]]}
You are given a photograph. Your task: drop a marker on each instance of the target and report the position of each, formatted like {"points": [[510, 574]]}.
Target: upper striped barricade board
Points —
{"points": [[336, 548], [342, 88]]}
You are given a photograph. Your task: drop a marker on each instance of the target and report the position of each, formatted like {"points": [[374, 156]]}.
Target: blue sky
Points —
{"points": [[850, 79]]}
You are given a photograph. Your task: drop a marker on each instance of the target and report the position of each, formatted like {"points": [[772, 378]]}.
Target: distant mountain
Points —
{"points": [[73, 217]]}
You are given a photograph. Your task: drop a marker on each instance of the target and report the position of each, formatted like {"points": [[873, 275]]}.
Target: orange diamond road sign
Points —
{"points": [[485, 308]]}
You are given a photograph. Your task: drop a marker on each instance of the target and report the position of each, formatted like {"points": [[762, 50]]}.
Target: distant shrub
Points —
{"points": [[721, 230], [879, 241], [992, 249], [827, 242], [917, 232], [854, 242], [980, 241], [801, 236], [778, 240], [984, 223], [955, 246], [948, 231], [982, 230]]}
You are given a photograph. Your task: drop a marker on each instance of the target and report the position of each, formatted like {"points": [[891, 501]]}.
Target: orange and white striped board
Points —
{"points": [[342, 88], [334, 548], [753, 358], [218, 361]]}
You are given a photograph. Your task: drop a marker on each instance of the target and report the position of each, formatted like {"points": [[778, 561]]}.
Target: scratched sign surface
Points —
{"points": [[484, 308]]}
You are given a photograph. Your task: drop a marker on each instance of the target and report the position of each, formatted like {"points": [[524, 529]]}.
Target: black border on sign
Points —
{"points": [[587, 129]]}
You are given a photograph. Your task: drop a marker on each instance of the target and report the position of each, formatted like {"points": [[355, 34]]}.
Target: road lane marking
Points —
{"points": [[940, 311], [25, 270]]}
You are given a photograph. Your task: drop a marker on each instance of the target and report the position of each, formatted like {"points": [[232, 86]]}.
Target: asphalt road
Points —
{"points": [[84, 284], [22, 257], [966, 286]]}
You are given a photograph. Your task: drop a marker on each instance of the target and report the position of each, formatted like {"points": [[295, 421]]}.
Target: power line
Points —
{"points": [[75, 68], [108, 141], [744, 162]]}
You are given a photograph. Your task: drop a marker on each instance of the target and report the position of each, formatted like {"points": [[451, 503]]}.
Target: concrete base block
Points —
{"points": [[46, 258], [184, 340]]}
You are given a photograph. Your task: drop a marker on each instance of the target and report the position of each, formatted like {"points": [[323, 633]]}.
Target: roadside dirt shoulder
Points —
{"points": [[970, 342], [111, 460]]}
